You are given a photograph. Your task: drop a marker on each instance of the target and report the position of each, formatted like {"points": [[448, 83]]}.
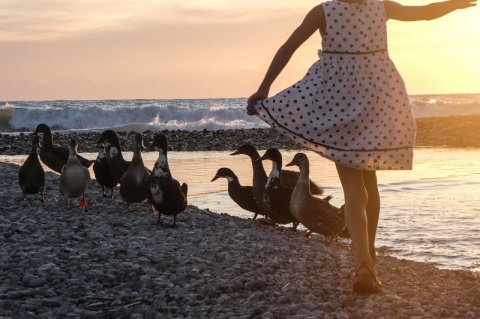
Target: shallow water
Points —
{"points": [[428, 214]]}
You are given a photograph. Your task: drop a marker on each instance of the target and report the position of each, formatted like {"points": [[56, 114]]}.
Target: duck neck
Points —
{"points": [[161, 165], [137, 155], [258, 170], [34, 148], [47, 140], [304, 180], [274, 176]]}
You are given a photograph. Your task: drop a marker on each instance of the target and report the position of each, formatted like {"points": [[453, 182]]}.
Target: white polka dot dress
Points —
{"points": [[352, 106]]}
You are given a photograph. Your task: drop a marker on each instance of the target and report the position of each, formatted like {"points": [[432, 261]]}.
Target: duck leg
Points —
{"points": [[42, 197], [67, 204], [83, 202]]}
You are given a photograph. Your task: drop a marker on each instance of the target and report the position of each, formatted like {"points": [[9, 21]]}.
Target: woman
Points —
{"points": [[351, 107]]}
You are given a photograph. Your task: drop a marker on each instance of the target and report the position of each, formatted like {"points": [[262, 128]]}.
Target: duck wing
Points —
{"points": [[243, 196], [322, 217], [166, 195], [277, 199], [290, 179]]}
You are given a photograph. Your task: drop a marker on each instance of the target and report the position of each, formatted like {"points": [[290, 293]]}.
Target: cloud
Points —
{"points": [[26, 20]]}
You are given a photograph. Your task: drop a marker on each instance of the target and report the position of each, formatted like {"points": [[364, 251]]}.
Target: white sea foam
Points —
{"points": [[183, 114]]}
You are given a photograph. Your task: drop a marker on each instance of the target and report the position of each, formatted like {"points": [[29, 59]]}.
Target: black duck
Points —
{"points": [[31, 175], [165, 192], [116, 163], [102, 172], [276, 195], [242, 195], [55, 157]]}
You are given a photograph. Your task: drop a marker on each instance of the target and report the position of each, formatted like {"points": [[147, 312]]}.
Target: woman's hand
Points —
{"points": [[463, 4], [257, 96]]}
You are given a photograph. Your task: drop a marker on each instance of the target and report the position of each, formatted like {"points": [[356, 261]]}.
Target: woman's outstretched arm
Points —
{"points": [[313, 21], [430, 11]]}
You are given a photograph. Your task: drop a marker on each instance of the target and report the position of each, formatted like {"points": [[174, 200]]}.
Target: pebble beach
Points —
{"points": [[108, 263]]}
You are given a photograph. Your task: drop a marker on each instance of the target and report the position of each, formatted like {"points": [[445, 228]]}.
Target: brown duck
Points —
{"points": [[316, 214], [133, 183]]}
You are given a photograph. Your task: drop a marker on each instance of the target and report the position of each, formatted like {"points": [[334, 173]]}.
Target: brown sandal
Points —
{"points": [[366, 283]]}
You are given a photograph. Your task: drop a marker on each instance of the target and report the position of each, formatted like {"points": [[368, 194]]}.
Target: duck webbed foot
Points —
{"points": [[83, 203]]}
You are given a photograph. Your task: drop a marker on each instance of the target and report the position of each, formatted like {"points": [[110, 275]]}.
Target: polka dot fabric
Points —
{"points": [[351, 106]]}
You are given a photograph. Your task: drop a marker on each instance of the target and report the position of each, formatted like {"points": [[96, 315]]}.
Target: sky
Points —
{"points": [[163, 49]]}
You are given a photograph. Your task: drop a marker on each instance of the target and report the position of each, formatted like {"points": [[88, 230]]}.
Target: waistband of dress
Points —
{"points": [[320, 52]]}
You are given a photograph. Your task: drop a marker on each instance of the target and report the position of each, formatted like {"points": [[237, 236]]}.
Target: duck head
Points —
{"points": [[248, 150], [299, 159], [73, 146], [160, 142], [274, 155], [42, 128], [225, 173], [45, 132], [138, 141], [110, 137]]}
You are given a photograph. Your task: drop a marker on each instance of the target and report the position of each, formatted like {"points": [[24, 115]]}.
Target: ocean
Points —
{"points": [[183, 114], [429, 214]]}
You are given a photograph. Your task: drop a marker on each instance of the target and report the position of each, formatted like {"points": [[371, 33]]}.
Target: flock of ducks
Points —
{"points": [[137, 182], [283, 196]]}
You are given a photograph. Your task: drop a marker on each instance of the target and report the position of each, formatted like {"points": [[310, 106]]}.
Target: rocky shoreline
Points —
{"points": [[452, 131], [107, 263]]}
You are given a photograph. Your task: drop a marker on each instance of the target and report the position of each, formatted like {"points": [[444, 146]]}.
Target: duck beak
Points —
{"points": [[264, 157], [215, 178], [235, 153], [292, 163]]}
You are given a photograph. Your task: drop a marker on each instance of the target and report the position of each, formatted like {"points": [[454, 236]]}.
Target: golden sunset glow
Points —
{"points": [[104, 49]]}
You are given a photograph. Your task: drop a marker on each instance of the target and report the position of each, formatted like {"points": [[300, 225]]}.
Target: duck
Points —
{"points": [[259, 175], [166, 193], [31, 175], [276, 195], [102, 171], [242, 195], [55, 157], [315, 213], [74, 177], [289, 178], [133, 183], [116, 163]]}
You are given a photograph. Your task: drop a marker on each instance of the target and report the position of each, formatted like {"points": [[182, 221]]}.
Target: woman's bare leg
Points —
{"points": [[373, 208], [356, 199]]}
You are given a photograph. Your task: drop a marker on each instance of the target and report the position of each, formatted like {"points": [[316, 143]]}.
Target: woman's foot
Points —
{"points": [[365, 280]]}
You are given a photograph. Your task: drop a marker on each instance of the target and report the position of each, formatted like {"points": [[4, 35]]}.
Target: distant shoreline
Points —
{"points": [[451, 131]]}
